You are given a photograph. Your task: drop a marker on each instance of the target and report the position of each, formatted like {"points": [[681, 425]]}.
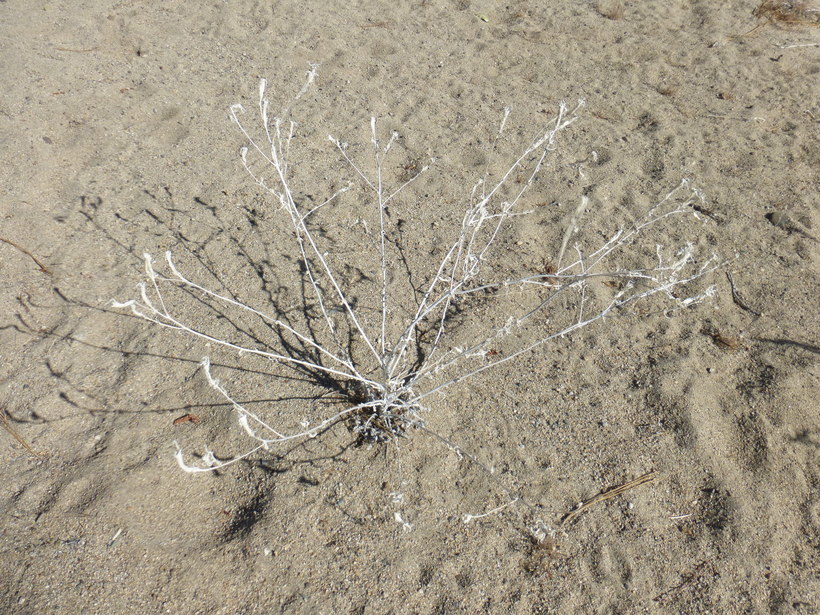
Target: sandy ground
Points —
{"points": [[116, 141]]}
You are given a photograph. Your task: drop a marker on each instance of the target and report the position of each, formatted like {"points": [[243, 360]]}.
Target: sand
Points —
{"points": [[116, 141]]}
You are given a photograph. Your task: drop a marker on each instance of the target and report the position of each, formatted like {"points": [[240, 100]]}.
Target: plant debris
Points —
{"points": [[607, 495]]}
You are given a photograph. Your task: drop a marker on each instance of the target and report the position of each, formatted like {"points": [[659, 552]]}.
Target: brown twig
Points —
{"points": [[4, 421], [607, 495], [187, 418], [378, 24], [90, 49], [738, 298], [27, 253]]}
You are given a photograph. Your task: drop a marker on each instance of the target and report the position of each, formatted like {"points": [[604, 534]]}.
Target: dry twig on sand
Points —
{"points": [[27, 253], [6, 423], [607, 495]]}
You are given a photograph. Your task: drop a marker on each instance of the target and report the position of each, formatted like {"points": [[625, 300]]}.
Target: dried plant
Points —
{"points": [[785, 12], [392, 351]]}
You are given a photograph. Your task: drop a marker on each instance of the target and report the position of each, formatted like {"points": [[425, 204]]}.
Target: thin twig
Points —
{"points": [[4, 421], [89, 50], [42, 267], [608, 495], [738, 298]]}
